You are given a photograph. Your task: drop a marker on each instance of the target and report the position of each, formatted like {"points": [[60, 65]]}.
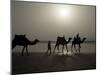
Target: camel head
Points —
{"points": [[69, 39], [83, 39], [36, 40]]}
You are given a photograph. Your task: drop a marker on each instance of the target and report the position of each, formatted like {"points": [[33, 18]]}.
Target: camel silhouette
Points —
{"points": [[61, 41], [77, 41], [21, 40]]}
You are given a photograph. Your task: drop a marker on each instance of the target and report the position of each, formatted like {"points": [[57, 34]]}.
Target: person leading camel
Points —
{"points": [[49, 47]]}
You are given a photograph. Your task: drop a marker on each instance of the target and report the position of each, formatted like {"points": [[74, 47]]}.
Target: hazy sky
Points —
{"points": [[46, 21]]}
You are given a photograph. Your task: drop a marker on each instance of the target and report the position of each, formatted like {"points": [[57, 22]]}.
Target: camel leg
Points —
{"points": [[58, 48], [75, 47], [54, 48], [72, 48], [62, 48], [27, 50], [66, 48], [79, 48], [23, 50], [79, 45]]}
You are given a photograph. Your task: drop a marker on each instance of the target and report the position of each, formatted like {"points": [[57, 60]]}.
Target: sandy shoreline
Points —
{"points": [[41, 62]]}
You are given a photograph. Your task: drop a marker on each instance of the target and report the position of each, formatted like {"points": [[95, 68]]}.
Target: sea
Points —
{"points": [[87, 47]]}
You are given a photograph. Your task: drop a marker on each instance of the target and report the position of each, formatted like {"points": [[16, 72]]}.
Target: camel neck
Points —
{"points": [[68, 41], [33, 42], [82, 40]]}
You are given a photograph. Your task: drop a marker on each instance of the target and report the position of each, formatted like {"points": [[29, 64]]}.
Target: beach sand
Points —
{"points": [[41, 62], [38, 62]]}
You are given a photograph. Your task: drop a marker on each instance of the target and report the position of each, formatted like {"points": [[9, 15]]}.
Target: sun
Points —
{"points": [[63, 12]]}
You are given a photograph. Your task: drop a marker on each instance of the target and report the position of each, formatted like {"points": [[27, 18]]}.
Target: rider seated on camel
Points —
{"points": [[78, 38]]}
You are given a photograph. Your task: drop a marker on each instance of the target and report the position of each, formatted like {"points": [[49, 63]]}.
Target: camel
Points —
{"points": [[21, 40], [62, 41], [77, 41]]}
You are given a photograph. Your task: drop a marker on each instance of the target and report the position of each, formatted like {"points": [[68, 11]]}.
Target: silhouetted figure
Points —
{"points": [[78, 37], [49, 47], [21, 40], [62, 41], [77, 41]]}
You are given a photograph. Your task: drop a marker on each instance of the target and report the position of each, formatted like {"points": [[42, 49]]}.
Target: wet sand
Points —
{"points": [[40, 62]]}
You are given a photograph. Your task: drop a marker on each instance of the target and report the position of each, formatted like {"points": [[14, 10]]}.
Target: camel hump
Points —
{"points": [[61, 39], [20, 37]]}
